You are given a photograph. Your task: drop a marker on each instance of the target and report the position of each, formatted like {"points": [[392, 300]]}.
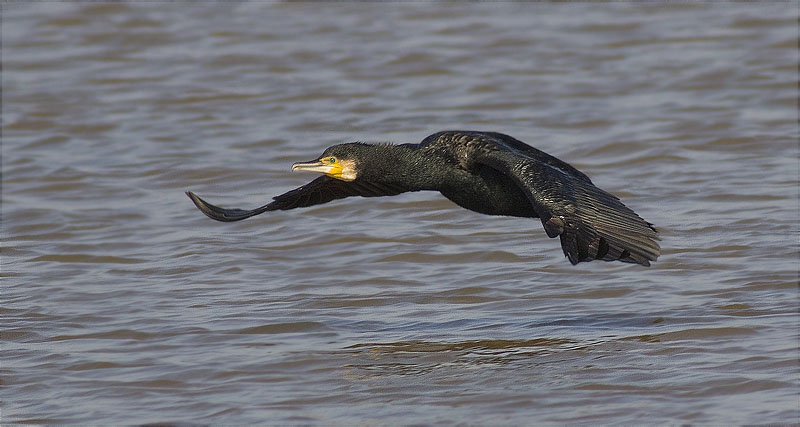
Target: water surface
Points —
{"points": [[121, 303]]}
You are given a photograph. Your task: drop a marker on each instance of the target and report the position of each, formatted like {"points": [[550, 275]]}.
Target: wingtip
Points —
{"points": [[200, 203], [206, 208]]}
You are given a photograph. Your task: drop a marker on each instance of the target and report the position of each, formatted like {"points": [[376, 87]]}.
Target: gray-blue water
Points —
{"points": [[121, 303]]}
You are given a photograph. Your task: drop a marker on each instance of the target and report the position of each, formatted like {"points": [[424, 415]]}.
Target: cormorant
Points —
{"points": [[486, 172]]}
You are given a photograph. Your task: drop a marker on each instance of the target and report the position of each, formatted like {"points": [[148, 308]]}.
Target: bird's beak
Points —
{"points": [[315, 166], [343, 170]]}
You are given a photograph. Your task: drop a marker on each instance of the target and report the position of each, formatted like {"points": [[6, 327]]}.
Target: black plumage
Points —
{"points": [[486, 172]]}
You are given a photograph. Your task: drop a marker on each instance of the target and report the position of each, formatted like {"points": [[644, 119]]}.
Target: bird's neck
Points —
{"points": [[407, 165]]}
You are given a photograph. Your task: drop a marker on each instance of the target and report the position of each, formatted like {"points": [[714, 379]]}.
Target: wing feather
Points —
{"points": [[321, 190], [591, 223]]}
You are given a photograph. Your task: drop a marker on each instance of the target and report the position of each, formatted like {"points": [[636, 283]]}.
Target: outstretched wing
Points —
{"points": [[514, 144], [591, 223], [321, 190], [495, 141]]}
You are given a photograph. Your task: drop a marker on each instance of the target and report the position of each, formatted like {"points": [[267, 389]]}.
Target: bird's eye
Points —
{"points": [[332, 159]]}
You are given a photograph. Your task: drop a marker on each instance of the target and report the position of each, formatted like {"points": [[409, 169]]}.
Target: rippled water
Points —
{"points": [[121, 303]]}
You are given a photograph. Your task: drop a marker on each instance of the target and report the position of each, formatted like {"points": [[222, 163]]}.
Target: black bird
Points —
{"points": [[485, 172]]}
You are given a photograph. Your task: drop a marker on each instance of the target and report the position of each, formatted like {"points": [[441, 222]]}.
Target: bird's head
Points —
{"points": [[339, 161]]}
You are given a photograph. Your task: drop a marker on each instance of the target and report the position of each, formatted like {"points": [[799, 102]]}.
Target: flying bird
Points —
{"points": [[486, 172]]}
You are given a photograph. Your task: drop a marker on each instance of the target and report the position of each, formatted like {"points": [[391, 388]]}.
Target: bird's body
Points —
{"points": [[486, 172]]}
